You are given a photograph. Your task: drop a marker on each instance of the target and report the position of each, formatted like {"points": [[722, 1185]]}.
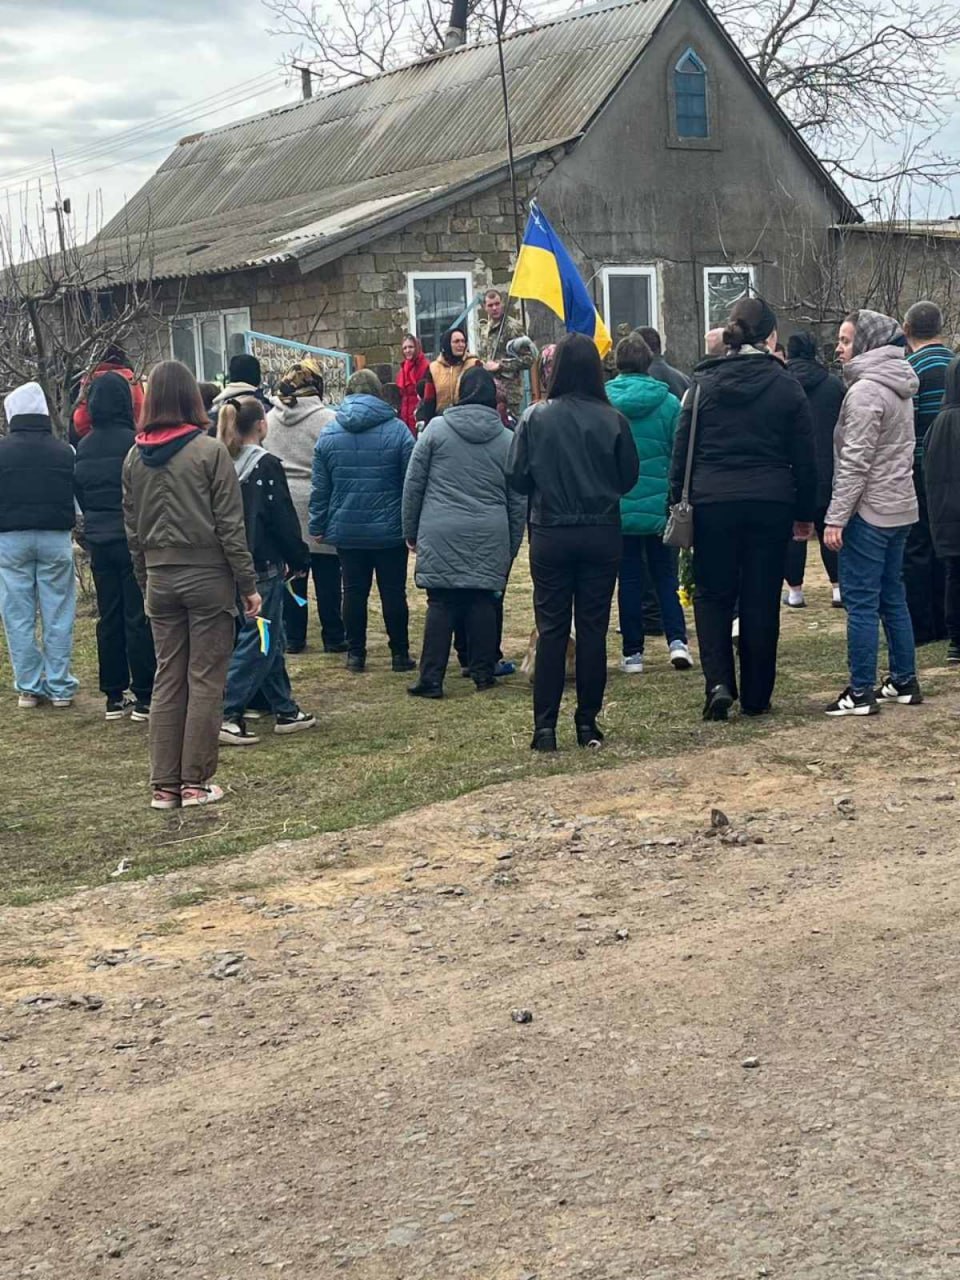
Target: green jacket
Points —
{"points": [[652, 413]]}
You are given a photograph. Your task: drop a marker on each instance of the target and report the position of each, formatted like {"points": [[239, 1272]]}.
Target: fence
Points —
{"points": [[277, 354]]}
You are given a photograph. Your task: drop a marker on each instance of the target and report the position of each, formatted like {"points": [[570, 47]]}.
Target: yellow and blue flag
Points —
{"points": [[546, 273], [263, 626]]}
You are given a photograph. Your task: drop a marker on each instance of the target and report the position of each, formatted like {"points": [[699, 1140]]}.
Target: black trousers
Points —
{"points": [[952, 566], [474, 614], [796, 562], [923, 574], [574, 569], [739, 551], [461, 640], [389, 564], [124, 639], [328, 588]]}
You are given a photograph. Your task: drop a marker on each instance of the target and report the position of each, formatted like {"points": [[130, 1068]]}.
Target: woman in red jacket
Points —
{"points": [[415, 366], [114, 361]]}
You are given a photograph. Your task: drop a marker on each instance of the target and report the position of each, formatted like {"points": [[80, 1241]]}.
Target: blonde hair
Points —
{"points": [[237, 421]]}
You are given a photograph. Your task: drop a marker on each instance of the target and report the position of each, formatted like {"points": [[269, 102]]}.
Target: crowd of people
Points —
{"points": [[207, 511]]}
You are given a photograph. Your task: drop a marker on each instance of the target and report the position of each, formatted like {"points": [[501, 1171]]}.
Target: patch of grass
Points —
{"points": [[190, 898], [27, 962], [163, 928], [375, 752]]}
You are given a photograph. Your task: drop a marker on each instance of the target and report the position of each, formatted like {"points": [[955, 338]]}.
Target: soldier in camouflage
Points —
{"points": [[495, 331]]}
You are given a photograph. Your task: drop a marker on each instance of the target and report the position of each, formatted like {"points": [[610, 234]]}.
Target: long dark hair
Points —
{"points": [[172, 398], [577, 369]]}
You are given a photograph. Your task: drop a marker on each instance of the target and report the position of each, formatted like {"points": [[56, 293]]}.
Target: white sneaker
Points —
{"points": [[794, 598], [680, 656], [61, 703], [735, 629], [233, 733], [28, 701], [632, 664]]}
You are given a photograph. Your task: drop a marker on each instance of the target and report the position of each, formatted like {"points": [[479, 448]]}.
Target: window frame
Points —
{"points": [[746, 268], [712, 142], [704, 75], [196, 319], [652, 273], [466, 277]]}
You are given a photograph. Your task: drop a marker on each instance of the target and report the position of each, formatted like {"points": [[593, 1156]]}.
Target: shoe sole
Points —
{"points": [[164, 804], [718, 708], [198, 803], [905, 700], [872, 710], [62, 704], [795, 606], [228, 740], [682, 664], [296, 726], [117, 715], [140, 717], [631, 671], [28, 706]]}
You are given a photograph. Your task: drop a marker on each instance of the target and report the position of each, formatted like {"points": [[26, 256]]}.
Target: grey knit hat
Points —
{"points": [[364, 383], [875, 330]]}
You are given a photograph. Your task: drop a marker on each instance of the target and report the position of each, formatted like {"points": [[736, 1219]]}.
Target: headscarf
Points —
{"points": [[303, 379], [110, 403], [477, 386], [547, 355], [418, 348], [873, 330], [446, 347]]}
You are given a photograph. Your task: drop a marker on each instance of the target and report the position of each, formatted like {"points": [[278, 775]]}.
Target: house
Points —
{"points": [[344, 220]]}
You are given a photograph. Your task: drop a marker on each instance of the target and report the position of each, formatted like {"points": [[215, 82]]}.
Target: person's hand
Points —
{"points": [[833, 537], [492, 366], [411, 547], [252, 604], [802, 530]]}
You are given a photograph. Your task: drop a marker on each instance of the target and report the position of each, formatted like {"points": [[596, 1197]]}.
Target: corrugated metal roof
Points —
{"points": [[221, 200], [936, 229]]}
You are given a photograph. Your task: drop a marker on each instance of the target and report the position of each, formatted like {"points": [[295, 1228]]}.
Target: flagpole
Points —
{"points": [[500, 16]]}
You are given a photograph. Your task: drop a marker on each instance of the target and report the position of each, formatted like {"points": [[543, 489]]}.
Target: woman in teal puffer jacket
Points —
{"points": [[652, 413]]}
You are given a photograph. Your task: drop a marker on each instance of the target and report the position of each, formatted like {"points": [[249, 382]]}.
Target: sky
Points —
{"points": [[77, 75]]}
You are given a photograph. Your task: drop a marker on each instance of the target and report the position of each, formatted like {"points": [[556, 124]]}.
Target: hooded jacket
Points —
{"points": [[824, 392], [754, 439], [409, 374], [652, 412], [941, 468], [82, 424], [457, 504], [273, 529], [186, 509], [98, 477], [359, 465], [873, 444], [36, 469], [292, 434], [233, 391], [576, 458]]}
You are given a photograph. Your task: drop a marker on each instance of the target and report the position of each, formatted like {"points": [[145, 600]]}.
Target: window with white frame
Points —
{"points": [[436, 300], [630, 296], [205, 340], [722, 287]]}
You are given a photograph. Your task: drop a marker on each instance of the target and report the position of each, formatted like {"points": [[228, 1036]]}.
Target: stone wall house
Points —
{"points": [[345, 220]]}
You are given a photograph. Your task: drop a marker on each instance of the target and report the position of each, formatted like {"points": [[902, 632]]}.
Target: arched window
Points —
{"points": [[690, 94]]}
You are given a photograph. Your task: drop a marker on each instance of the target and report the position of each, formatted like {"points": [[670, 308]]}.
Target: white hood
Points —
{"points": [[28, 399]]}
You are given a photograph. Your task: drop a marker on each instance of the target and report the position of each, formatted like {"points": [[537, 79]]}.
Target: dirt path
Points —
{"points": [[742, 1059]]}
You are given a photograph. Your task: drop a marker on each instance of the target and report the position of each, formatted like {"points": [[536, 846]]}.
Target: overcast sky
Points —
{"points": [[74, 74]]}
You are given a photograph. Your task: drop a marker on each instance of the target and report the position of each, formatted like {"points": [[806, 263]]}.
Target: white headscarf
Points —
{"points": [[28, 399]]}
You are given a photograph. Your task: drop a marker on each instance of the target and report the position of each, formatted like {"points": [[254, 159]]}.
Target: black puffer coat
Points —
{"points": [[824, 392], [98, 478], [941, 468]]}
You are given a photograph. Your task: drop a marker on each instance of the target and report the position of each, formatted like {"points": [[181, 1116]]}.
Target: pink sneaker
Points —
{"points": [[192, 796], [165, 798]]}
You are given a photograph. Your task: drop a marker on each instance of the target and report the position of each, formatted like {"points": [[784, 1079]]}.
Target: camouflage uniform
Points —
{"points": [[492, 339]]}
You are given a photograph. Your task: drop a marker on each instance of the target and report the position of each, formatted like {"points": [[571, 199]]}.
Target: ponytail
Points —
{"points": [[237, 422]]}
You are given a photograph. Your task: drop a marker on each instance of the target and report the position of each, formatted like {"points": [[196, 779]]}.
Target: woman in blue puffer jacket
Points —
{"points": [[652, 412], [359, 466]]}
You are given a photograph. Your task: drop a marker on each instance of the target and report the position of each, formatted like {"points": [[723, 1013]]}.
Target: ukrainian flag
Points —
{"points": [[546, 273]]}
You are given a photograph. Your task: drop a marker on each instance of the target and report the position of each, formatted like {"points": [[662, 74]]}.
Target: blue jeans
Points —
{"points": [[871, 583], [37, 576], [252, 672], [641, 553]]}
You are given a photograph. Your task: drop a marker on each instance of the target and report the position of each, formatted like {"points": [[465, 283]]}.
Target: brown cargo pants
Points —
{"points": [[191, 612]]}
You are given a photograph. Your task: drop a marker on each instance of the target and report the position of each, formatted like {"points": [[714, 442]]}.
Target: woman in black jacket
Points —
{"points": [[124, 639], [941, 473], [824, 392], [258, 672], [574, 455], [754, 484]]}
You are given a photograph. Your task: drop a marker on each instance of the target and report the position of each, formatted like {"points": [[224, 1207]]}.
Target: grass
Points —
{"points": [[74, 800]]}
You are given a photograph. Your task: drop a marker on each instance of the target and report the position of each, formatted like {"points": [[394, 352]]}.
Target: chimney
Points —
{"points": [[306, 83], [457, 30]]}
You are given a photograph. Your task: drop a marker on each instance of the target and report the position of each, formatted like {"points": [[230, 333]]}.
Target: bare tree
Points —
{"points": [[866, 81], [64, 300]]}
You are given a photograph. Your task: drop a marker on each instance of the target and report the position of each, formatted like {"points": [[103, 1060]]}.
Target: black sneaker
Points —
{"points": [[854, 704], [588, 735], [341, 647], [544, 740], [233, 733], [356, 662], [953, 653], [490, 683], [403, 662], [421, 690], [141, 712], [718, 703], [294, 722], [117, 708], [905, 691]]}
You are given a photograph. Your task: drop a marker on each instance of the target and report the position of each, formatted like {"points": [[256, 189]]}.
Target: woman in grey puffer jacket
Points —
{"points": [[872, 508], [295, 422], [465, 525]]}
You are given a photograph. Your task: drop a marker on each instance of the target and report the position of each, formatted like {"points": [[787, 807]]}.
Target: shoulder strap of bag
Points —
{"points": [[691, 444]]}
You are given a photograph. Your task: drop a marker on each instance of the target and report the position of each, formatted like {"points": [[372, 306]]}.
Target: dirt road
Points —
{"points": [[742, 1059]]}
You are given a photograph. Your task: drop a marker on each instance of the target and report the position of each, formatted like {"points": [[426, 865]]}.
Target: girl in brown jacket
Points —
{"points": [[183, 514]]}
